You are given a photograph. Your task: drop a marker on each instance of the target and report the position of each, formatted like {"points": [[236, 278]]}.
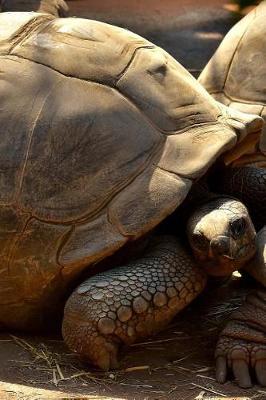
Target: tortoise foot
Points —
{"points": [[131, 302], [88, 342], [242, 344]]}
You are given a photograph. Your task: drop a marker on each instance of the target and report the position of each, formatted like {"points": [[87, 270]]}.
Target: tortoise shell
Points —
{"points": [[102, 135], [236, 76]]}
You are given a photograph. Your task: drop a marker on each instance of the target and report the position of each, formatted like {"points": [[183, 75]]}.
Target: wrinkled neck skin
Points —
{"points": [[57, 8], [220, 232]]}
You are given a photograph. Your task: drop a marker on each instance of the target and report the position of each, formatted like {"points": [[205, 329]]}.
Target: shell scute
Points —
{"points": [[96, 139], [81, 48], [166, 92]]}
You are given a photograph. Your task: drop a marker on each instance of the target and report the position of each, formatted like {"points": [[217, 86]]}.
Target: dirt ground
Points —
{"points": [[177, 364]]}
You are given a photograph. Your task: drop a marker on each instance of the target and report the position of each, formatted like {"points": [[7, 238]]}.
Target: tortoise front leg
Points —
{"points": [[130, 302], [242, 344]]}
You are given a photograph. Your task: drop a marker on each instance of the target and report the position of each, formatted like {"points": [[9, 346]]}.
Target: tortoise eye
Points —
{"points": [[238, 227], [200, 241]]}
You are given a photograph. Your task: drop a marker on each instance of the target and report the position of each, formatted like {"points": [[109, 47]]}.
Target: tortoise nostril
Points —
{"points": [[238, 227], [200, 241], [220, 246]]}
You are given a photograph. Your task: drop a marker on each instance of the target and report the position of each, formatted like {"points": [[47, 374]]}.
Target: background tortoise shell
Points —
{"points": [[236, 74]]}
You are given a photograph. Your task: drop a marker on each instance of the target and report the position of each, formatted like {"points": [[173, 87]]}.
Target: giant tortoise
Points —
{"points": [[236, 76], [102, 136]]}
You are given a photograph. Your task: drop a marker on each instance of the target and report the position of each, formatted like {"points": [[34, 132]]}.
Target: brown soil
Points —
{"points": [[147, 7], [177, 364]]}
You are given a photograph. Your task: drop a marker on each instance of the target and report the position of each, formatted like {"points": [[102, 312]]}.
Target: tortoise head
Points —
{"points": [[222, 236]]}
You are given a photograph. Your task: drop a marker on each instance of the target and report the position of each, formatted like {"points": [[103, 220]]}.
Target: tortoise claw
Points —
{"points": [[221, 369], [241, 357], [242, 344], [241, 373]]}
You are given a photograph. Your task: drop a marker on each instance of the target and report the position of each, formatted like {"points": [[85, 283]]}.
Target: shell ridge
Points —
{"points": [[237, 99], [15, 241], [123, 72], [90, 216], [21, 179], [30, 27], [173, 174], [163, 131]]}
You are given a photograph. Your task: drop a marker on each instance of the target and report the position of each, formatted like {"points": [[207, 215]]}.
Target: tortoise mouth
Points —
{"points": [[245, 252], [225, 264]]}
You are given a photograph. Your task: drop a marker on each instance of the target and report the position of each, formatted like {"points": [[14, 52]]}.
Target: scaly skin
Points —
{"points": [[242, 344], [139, 299], [248, 183], [130, 302]]}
